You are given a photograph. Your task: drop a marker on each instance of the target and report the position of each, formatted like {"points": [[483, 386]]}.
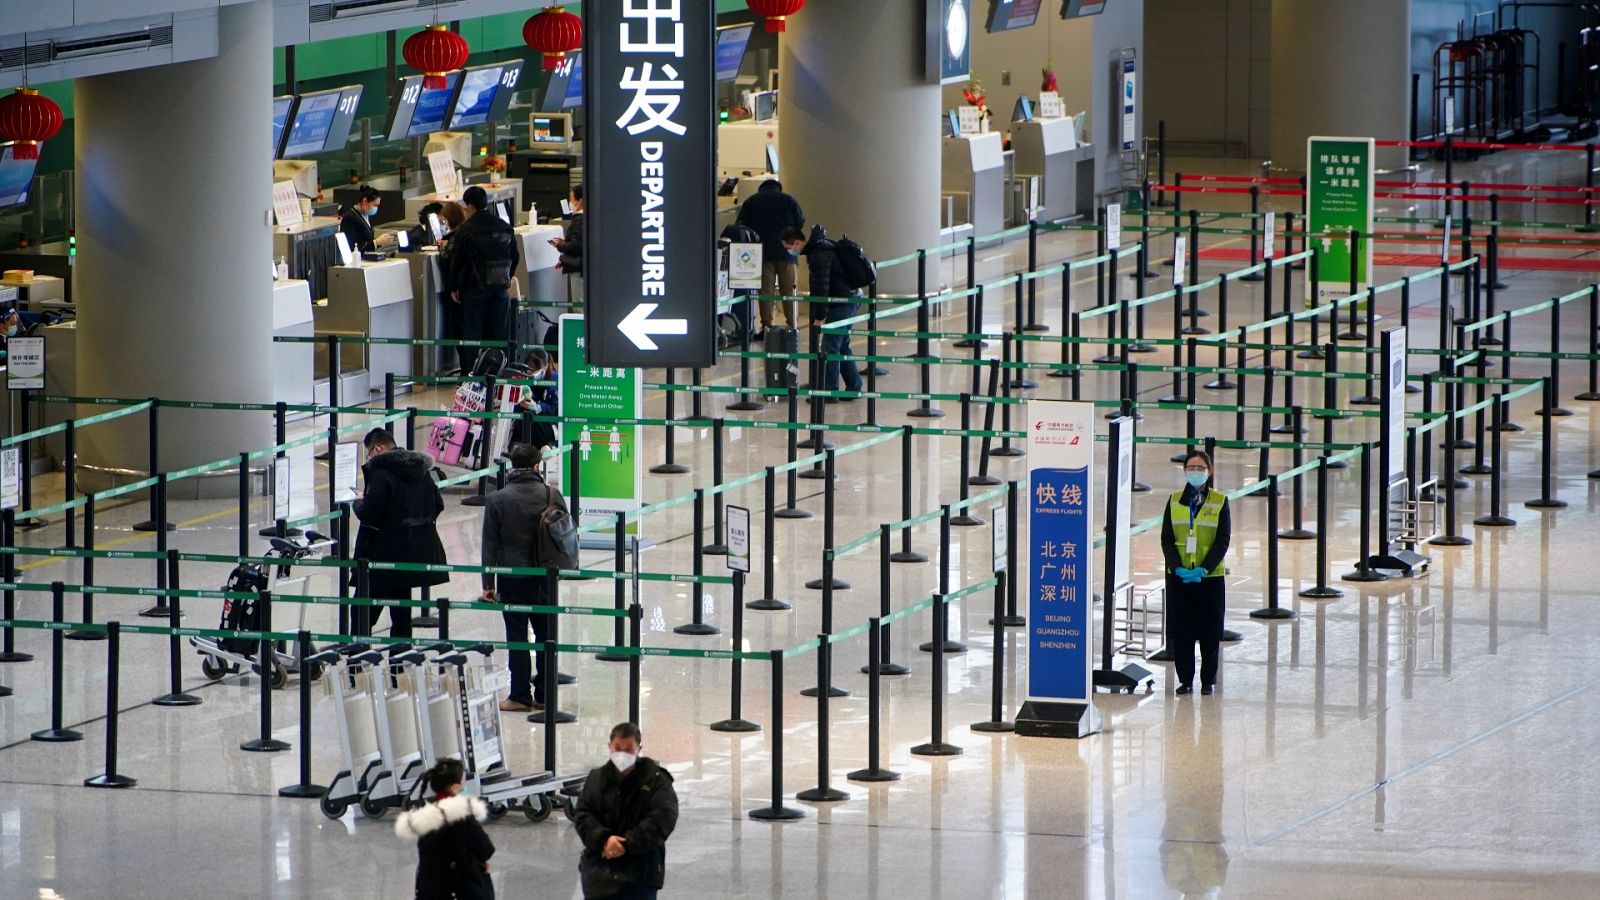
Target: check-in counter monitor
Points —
{"points": [[1048, 148], [293, 364], [371, 299], [974, 174]]}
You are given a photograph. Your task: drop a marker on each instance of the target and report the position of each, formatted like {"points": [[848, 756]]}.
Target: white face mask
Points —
{"points": [[623, 760]]}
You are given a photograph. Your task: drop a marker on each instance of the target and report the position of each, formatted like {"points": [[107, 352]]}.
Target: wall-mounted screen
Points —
{"points": [[416, 112], [344, 116], [1072, 9], [16, 177], [574, 96], [281, 107], [731, 43], [476, 97], [313, 120], [555, 87], [766, 108], [1005, 15], [553, 129]]}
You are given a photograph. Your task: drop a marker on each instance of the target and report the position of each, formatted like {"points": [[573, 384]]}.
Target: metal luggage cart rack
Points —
{"points": [[1133, 633]]}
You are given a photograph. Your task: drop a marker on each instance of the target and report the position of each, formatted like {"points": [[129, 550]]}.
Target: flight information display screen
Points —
{"points": [[731, 43], [313, 118], [280, 121], [432, 108], [473, 103], [1005, 15], [16, 177]]}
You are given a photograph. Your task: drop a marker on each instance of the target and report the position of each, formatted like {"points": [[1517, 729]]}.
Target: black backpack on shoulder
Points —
{"points": [[856, 267]]}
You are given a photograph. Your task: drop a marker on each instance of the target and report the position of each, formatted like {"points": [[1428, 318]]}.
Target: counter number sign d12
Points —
{"points": [[649, 88]]}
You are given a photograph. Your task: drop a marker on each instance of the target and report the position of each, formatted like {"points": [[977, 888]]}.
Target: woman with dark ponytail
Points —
{"points": [[452, 850]]}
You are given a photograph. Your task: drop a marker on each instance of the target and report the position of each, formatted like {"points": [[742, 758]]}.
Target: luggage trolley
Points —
{"points": [[221, 657], [350, 679], [395, 718]]}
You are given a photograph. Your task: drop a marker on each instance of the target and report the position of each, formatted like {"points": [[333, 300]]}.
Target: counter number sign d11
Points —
{"points": [[650, 154]]}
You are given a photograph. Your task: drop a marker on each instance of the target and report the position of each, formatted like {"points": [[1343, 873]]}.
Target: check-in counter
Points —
{"points": [[371, 299], [1048, 148], [60, 379], [40, 293], [509, 190], [53, 259], [542, 280], [973, 172], [309, 248], [393, 194], [427, 312], [293, 364]]}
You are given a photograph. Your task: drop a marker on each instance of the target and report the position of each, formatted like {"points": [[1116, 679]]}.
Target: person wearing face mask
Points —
{"points": [[399, 515], [624, 816], [355, 222], [452, 849], [1194, 539]]}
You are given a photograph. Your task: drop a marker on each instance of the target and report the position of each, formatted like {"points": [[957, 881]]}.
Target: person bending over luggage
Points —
{"points": [[831, 302], [398, 513], [481, 260], [625, 814], [510, 523], [452, 849]]}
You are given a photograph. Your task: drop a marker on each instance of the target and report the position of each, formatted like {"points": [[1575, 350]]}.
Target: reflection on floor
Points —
{"points": [[1427, 738]]}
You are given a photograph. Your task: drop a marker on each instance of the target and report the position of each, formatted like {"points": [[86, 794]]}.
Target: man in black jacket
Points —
{"points": [[770, 211], [625, 814], [483, 257], [831, 301], [398, 513], [509, 523]]}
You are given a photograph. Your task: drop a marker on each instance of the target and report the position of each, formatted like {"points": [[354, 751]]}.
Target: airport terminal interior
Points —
{"points": [[889, 562]]}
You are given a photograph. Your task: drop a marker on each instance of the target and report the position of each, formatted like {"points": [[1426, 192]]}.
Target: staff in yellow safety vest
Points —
{"points": [[1194, 539]]}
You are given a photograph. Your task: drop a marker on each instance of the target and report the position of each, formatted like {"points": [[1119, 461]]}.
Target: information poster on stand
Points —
{"points": [[25, 364], [1060, 545], [10, 477], [744, 267], [1339, 201], [346, 463], [443, 169], [612, 467]]}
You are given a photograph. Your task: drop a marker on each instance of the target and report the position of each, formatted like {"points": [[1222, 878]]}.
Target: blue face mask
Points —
{"points": [[1197, 479], [371, 211]]}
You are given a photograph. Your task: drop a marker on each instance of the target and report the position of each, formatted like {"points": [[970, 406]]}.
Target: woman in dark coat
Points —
{"points": [[398, 514], [452, 850]]}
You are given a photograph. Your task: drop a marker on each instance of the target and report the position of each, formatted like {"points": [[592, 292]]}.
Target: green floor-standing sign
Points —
{"points": [[609, 454], [1339, 177]]}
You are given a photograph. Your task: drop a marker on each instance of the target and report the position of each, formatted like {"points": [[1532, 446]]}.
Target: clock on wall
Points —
{"points": [[950, 39]]}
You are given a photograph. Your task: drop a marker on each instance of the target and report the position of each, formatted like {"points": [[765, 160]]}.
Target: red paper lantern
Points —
{"points": [[28, 118], [555, 33], [435, 51], [775, 11]]}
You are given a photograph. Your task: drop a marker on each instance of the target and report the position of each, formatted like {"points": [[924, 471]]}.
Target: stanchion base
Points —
{"points": [[1162, 655], [1275, 613], [822, 795], [949, 647], [734, 726], [1008, 452], [110, 781], [1193, 330], [561, 716], [698, 629], [1012, 621], [1173, 398], [768, 605], [178, 699], [908, 556], [264, 745], [1106, 358], [150, 525], [1141, 348], [1126, 679], [614, 657], [873, 776], [1593, 476], [968, 344], [984, 480], [1558, 412], [1477, 469], [475, 500], [15, 657], [715, 550], [1023, 384], [1221, 384], [1231, 637], [747, 406], [1297, 534], [811, 444], [1351, 336], [889, 668], [31, 523], [425, 622], [56, 736], [303, 791], [1367, 400], [4, 691], [1450, 540], [1506, 427], [1140, 487], [669, 469], [1288, 429], [1321, 593], [839, 584], [1036, 327], [1338, 464], [1059, 374], [1463, 444], [156, 612], [776, 813], [816, 474], [833, 691], [1252, 277], [1546, 503], [1309, 354], [965, 521], [924, 412], [936, 748], [564, 678], [1587, 396], [1364, 576], [1412, 389], [999, 727], [85, 635], [1494, 521], [793, 512]]}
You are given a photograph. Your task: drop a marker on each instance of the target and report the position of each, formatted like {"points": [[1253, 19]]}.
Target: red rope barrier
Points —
{"points": [[1240, 179], [1186, 189]]}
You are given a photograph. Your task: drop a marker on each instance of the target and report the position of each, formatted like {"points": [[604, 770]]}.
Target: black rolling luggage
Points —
{"points": [[781, 372]]}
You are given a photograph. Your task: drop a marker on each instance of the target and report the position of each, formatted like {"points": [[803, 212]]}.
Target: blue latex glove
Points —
{"points": [[1191, 576]]}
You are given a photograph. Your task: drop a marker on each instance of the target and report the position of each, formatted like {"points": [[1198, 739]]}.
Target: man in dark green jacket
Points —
{"points": [[624, 817]]}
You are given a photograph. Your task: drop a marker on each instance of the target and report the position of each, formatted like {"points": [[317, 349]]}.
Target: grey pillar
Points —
{"points": [[1340, 70], [859, 127], [174, 296]]}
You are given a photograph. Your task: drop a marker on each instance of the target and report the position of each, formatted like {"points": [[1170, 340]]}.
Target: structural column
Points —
{"points": [[859, 127], [174, 174]]}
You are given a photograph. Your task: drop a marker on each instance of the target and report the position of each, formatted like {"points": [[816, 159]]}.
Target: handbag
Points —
{"points": [[599, 878]]}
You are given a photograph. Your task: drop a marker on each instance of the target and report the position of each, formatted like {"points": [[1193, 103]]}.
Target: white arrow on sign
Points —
{"points": [[637, 326]]}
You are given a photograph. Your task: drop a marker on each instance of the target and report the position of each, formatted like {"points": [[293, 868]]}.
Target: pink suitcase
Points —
{"points": [[452, 440]]}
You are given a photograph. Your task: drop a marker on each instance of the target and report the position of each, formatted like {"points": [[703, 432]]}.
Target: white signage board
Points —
{"points": [[1269, 228], [346, 463], [1001, 537], [444, 171], [286, 204], [1050, 106], [1180, 260], [1394, 404], [1122, 529], [970, 119], [25, 364], [744, 267], [282, 493], [10, 477], [738, 539], [1114, 226]]}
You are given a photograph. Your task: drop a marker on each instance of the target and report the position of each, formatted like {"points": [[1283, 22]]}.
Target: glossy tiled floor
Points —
{"points": [[1427, 738]]}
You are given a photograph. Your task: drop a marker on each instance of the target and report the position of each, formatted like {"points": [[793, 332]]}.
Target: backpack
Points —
{"points": [[857, 269], [555, 535]]}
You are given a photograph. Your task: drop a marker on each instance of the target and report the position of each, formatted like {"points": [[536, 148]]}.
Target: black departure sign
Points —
{"points": [[649, 158]]}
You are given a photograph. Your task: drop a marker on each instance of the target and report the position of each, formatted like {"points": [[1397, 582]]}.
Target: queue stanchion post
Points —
{"points": [[736, 723], [1013, 619], [550, 661], [1194, 311], [25, 452], [1068, 319], [1019, 380], [1505, 373], [1353, 332], [1591, 346], [243, 529], [8, 636], [1272, 611], [266, 664], [996, 390], [91, 633], [1077, 356], [1364, 572], [905, 554], [1314, 269], [1547, 498], [824, 792], [635, 660], [57, 733], [974, 292], [150, 524], [170, 581], [749, 398], [966, 519], [882, 662], [941, 633], [110, 778], [1552, 405], [670, 466], [790, 510], [619, 587], [1255, 233], [342, 549], [937, 745], [1496, 517], [828, 582], [698, 625], [996, 723], [1138, 345], [874, 772], [1322, 591], [768, 601], [873, 371], [1480, 442], [305, 788], [1447, 479], [776, 811], [924, 377], [480, 495], [1298, 531], [718, 545], [1033, 324], [1221, 382]]}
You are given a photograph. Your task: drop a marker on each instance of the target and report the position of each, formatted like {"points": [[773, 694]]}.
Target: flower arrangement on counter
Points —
{"points": [[494, 165]]}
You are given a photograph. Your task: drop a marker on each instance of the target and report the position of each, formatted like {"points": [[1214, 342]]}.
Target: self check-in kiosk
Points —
{"points": [[973, 175], [1048, 149], [369, 299]]}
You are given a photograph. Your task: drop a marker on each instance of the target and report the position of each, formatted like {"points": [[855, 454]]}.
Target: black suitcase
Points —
{"points": [[781, 372]]}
